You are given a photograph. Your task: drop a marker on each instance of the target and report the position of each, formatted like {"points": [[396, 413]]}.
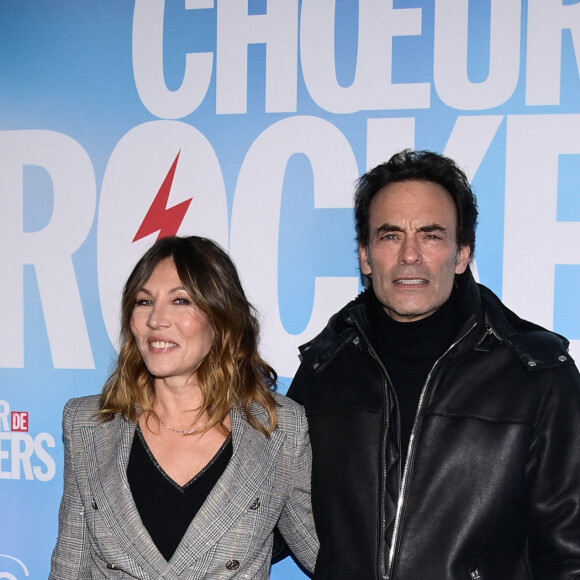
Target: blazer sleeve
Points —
{"points": [[296, 521], [70, 558]]}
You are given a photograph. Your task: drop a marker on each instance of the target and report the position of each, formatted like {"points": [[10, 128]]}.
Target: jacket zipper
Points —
{"points": [[383, 450], [411, 452]]}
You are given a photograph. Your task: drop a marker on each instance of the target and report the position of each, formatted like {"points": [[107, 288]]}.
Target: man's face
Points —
{"points": [[412, 255]]}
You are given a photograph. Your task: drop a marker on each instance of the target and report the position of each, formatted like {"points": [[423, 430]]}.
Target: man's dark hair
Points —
{"points": [[418, 166]]}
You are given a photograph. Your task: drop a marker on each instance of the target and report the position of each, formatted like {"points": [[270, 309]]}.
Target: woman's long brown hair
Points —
{"points": [[232, 374]]}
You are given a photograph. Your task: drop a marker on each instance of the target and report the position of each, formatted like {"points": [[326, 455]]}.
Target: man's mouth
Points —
{"points": [[411, 281]]}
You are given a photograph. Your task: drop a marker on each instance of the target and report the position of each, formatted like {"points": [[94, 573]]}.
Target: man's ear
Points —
{"points": [[365, 261], [463, 258]]}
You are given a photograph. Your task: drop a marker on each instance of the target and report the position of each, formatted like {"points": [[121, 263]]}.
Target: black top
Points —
{"points": [[165, 507], [409, 350]]}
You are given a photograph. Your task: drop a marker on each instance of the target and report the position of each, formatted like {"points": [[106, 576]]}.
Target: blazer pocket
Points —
{"points": [[107, 569], [254, 526], [98, 526]]}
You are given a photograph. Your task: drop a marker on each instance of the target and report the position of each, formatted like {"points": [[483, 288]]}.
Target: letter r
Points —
{"points": [[50, 249]]}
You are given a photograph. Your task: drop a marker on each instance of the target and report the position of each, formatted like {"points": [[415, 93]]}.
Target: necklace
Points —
{"points": [[180, 431]]}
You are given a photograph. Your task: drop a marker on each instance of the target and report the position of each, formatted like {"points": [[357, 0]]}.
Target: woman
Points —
{"points": [[187, 461]]}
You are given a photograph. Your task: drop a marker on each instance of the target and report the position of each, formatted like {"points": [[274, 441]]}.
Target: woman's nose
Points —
{"points": [[158, 317]]}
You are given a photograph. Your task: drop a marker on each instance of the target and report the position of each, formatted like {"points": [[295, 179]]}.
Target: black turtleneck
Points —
{"points": [[409, 350]]}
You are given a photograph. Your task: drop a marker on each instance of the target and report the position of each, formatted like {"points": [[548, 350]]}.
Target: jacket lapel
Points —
{"points": [[107, 448], [253, 458]]}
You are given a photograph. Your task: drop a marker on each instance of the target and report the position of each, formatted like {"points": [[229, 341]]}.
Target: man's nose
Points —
{"points": [[410, 251]]}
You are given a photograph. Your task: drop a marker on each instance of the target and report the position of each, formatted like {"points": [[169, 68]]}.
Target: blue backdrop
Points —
{"points": [[267, 110]]}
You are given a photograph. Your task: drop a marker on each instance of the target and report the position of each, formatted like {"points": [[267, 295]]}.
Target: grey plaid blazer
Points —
{"points": [[267, 482]]}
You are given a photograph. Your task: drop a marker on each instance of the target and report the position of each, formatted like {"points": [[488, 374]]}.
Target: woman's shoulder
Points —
{"points": [[286, 403], [83, 410], [290, 413]]}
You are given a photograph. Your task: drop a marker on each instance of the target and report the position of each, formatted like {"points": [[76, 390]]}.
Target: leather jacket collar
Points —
{"points": [[536, 348]]}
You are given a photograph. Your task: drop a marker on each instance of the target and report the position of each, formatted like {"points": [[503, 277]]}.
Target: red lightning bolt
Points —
{"points": [[160, 218]]}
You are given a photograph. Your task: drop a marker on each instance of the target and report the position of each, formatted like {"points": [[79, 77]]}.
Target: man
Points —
{"points": [[445, 430]]}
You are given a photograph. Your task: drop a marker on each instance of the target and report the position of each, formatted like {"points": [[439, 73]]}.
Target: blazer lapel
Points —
{"points": [[254, 456], [107, 448]]}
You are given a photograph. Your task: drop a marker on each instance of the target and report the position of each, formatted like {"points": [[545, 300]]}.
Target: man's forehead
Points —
{"points": [[422, 202]]}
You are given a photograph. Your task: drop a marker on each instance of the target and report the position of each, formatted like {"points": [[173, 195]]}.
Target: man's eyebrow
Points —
{"points": [[433, 228], [387, 227]]}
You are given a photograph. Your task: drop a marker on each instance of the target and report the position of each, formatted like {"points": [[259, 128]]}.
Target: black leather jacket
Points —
{"points": [[491, 485]]}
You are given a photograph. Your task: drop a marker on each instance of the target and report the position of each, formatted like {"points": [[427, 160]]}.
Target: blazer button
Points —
{"points": [[113, 567], [232, 564], [256, 504]]}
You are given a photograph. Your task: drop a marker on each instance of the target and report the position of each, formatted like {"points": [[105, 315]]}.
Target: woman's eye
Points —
{"points": [[182, 301], [142, 302]]}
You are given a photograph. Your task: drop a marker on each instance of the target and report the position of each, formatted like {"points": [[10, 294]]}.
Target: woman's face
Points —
{"points": [[172, 334]]}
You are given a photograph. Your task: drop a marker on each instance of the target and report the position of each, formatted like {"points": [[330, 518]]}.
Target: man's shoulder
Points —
{"points": [[536, 346], [338, 327], [328, 351]]}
